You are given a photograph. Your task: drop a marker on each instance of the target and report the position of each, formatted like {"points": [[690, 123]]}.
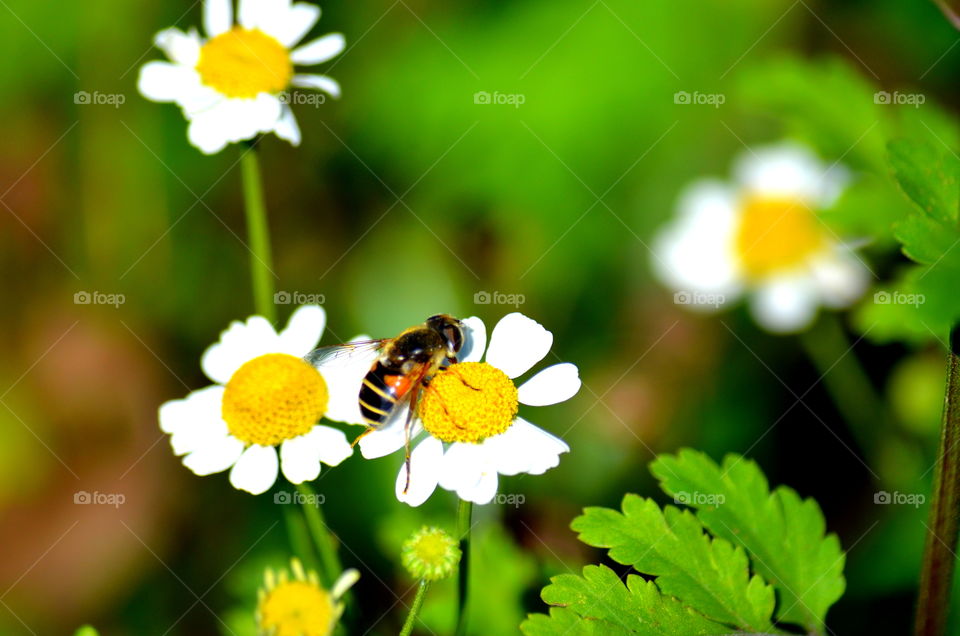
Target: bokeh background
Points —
{"points": [[405, 199]]}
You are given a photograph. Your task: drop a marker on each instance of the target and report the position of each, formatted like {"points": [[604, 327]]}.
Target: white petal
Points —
{"points": [[251, 14], [344, 378], [475, 342], [303, 330], [517, 343], [182, 48], [524, 448], [214, 457], [463, 465], [391, 437], [483, 491], [554, 384], [289, 26], [319, 82], [425, 464], [256, 470], [300, 459], [233, 120], [790, 170], [195, 420], [319, 50], [165, 82], [286, 127], [785, 304], [209, 130], [694, 255], [841, 278], [217, 16], [332, 444], [239, 343]]}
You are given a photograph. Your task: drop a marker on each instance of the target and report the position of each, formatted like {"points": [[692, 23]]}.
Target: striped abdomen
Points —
{"points": [[380, 392]]}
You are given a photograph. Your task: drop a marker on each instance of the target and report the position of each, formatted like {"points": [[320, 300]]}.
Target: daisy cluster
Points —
{"points": [[262, 414]]}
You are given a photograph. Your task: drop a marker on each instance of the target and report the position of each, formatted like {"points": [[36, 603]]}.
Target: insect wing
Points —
{"points": [[347, 354]]}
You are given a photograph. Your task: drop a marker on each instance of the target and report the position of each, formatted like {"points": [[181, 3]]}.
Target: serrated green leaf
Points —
{"points": [[710, 575], [599, 603], [783, 534], [928, 174]]}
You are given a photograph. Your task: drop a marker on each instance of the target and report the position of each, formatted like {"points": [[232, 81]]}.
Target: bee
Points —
{"points": [[402, 369]]}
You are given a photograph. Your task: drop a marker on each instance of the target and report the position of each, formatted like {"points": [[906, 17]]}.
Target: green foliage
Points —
{"points": [[86, 630], [712, 568], [783, 533]]}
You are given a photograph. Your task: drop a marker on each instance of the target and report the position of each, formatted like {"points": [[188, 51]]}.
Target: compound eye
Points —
{"points": [[454, 337]]}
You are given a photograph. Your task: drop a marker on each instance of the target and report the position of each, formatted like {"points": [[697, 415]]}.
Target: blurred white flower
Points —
{"points": [[469, 412], [760, 234], [230, 86], [266, 396]]}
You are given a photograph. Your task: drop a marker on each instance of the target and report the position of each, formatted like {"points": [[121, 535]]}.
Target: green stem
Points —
{"points": [[312, 511], [258, 235], [299, 537], [464, 523], [845, 379], [936, 574], [415, 609]]}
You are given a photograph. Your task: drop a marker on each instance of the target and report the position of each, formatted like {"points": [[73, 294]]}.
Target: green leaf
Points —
{"points": [[928, 174], [783, 534], [86, 630], [710, 575], [600, 603]]}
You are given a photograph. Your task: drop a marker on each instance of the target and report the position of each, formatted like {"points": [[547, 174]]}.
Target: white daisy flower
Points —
{"points": [[231, 86], [760, 235], [469, 412], [266, 396]]}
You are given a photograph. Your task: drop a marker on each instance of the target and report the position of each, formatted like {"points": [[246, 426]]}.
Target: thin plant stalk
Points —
{"points": [[939, 557], [313, 513], [258, 235], [464, 524], [415, 608]]}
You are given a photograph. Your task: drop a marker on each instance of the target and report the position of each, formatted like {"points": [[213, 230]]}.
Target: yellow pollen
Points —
{"points": [[245, 62], [273, 398], [296, 608], [468, 402], [776, 234]]}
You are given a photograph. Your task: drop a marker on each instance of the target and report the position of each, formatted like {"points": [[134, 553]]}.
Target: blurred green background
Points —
{"points": [[406, 199]]}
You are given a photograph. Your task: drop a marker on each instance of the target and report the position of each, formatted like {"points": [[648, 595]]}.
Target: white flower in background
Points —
{"points": [[266, 396], [469, 412], [761, 235], [231, 86]]}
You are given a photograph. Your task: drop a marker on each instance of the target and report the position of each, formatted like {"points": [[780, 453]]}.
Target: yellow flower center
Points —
{"points": [[273, 398], [244, 63], [296, 608], [468, 402], [776, 234]]}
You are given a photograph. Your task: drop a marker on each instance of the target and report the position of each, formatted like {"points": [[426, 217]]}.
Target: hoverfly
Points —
{"points": [[402, 368]]}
